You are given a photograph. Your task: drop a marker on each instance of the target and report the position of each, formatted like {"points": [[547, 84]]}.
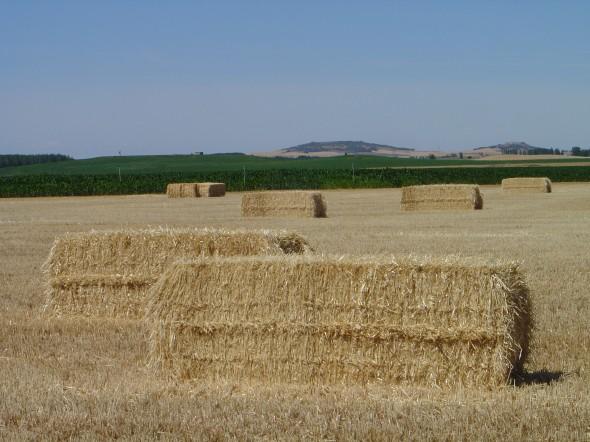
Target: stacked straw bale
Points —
{"points": [[294, 203], [441, 197], [318, 319], [210, 189], [107, 274], [194, 190], [528, 184], [182, 190]]}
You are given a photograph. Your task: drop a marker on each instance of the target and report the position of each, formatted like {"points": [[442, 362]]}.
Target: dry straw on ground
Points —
{"points": [[318, 319], [527, 184], [182, 190], [107, 273], [294, 203], [441, 197], [211, 189]]}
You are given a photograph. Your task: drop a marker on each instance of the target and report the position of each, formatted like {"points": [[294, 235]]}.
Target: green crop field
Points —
{"points": [[150, 174], [234, 162]]}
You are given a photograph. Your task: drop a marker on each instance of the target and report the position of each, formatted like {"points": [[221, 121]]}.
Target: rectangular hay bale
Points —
{"points": [[294, 203], [107, 273], [441, 197], [211, 189], [318, 319], [527, 184], [182, 190]]}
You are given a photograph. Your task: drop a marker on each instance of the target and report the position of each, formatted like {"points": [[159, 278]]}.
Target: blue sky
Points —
{"points": [[89, 78]]}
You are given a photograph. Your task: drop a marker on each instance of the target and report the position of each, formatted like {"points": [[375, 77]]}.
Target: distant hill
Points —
{"points": [[354, 147], [339, 148], [516, 148]]}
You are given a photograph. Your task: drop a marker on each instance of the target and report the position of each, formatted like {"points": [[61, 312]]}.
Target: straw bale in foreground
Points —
{"points": [[211, 189], [315, 319], [442, 197], [295, 203], [527, 184], [107, 273], [182, 190]]}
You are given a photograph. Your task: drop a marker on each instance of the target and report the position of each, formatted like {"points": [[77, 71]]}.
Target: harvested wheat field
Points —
{"points": [[88, 379], [441, 197], [107, 273], [527, 184], [340, 320], [284, 203]]}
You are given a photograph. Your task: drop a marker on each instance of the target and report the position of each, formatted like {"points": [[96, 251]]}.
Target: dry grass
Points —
{"points": [[107, 273], [289, 203], [528, 184], [87, 379], [441, 197], [324, 320]]}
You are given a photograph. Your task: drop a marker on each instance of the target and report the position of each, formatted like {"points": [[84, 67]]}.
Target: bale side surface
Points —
{"points": [[332, 320], [296, 203], [108, 273], [441, 197], [182, 190], [527, 184]]}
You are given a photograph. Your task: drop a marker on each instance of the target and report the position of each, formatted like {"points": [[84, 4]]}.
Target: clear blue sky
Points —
{"points": [[89, 78]]}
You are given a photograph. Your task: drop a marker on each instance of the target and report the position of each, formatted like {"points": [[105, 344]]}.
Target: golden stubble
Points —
{"points": [[87, 379]]}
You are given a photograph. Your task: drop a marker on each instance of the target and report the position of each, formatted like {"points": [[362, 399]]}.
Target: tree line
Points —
{"points": [[22, 160]]}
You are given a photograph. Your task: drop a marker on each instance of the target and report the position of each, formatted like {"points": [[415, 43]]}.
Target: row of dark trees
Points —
{"points": [[21, 160], [578, 151]]}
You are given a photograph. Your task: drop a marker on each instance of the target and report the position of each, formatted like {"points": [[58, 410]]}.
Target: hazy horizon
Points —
{"points": [[146, 78]]}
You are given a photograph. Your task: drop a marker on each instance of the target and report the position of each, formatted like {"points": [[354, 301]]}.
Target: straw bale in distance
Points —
{"points": [[317, 319], [211, 189], [182, 190], [442, 197], [293, 203], [107, 274], [527, 184]]}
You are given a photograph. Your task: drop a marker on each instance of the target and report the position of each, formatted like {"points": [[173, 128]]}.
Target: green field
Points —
{"points": [[150, 164], [150, 174]]}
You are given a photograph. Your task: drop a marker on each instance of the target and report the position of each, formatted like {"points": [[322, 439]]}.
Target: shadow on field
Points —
{"points": [[536, 377]]}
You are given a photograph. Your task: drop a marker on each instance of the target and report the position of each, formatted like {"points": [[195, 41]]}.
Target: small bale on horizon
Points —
{"points": [[209, 190], [441, 197], [182, 190], [527, 184], [287, 203]]}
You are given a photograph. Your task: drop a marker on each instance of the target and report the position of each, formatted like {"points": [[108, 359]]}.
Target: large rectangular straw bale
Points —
{"points": [[441, 197], [107, 273], [318, 319], [294, 203], [527, 184], [211, 189], [182, 190]]}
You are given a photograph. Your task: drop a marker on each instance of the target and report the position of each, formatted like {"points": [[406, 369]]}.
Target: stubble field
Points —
{"points": [[87, 380]]}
